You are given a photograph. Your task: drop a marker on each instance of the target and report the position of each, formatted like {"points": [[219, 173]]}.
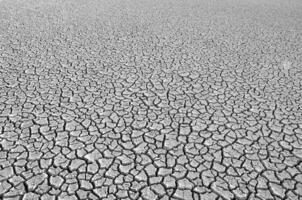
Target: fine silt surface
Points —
{"points": [[150, 99]]}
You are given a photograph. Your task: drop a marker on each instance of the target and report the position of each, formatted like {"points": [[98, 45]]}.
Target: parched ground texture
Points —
{"points": [[171, 99]]}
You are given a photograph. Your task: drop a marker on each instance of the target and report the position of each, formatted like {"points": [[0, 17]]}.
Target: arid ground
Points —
{"points": [[150, 99]]}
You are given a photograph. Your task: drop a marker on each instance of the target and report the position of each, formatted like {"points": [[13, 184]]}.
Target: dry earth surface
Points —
{"points": [[197, 99]]}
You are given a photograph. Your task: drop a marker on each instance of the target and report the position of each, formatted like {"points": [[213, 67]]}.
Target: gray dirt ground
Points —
{"points": [[150, 99]]}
